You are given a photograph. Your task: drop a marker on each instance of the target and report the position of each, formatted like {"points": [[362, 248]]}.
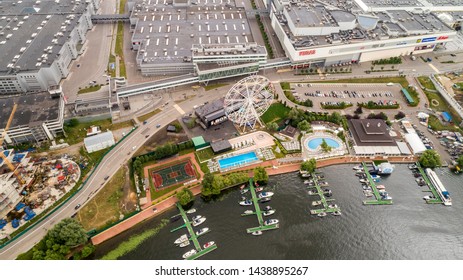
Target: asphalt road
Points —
{"points": [[108, 167]]}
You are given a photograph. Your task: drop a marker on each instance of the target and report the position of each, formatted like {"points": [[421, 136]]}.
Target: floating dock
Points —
{"points": [[437, 199], [257, 212], [378, 200], [324, 201], [193, 237]]}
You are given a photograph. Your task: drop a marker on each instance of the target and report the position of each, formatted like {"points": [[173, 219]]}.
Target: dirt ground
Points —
{"points": [[160, 138]]}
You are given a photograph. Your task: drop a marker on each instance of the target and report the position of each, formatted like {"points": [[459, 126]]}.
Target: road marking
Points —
{"points": [[179, 109], [434, 68]]}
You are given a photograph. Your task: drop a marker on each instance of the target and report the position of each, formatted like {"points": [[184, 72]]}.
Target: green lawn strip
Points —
{"points": [[436, 125], [144, 117], [89, 89], [205, 154], [426, 82], [275, 113], [76, 134], [119, 50]]}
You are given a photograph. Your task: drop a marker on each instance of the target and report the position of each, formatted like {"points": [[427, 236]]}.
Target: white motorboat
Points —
{"points": [[198, 221], [386, 197], [360, 171], [189, 253], [358, 167], [368, 193], [196, 217], [256, 233], [181, 239], [316, 203], [208, 244], [306, 182], [428, 197], [184, 244], [269, 212], [265, 194], [375, 177], [259, 189], [312, 192], [363, 181], [248, 212], [322, 214], [271, 222], [332, 206], [265, 199], [191, 211], [243, 191], [380, 187], [336, 213], [245, 203], [412, 166], [202, 231]]}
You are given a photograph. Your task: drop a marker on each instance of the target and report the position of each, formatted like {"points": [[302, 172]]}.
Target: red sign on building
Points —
{"points": [[442, 37], [308, 52]]}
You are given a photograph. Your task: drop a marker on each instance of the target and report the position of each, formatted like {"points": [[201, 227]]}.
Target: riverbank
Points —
{"points": [[269, 166]]}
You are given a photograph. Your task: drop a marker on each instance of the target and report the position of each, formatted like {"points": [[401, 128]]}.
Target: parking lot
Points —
{"points": [[348, 93]]}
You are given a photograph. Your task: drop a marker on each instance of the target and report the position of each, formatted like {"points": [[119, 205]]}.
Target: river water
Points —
{"points": [[408, 229]]}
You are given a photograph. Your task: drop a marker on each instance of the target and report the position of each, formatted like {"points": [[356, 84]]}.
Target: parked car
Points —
{"points": [[77, 206]]}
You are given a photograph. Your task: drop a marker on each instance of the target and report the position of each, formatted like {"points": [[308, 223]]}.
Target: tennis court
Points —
{"points": [[171, 175]]}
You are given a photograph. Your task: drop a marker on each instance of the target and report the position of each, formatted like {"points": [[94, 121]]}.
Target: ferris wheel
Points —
{"points": [[247, 100]]}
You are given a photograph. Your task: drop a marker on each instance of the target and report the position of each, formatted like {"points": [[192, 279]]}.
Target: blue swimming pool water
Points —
{"points": [[237, 160], [314, 143]]}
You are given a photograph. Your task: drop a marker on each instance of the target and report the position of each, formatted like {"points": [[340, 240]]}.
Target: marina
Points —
{"points": [[379, 199], [198, 251], [435, 196], [258, 212], [327, 207]]}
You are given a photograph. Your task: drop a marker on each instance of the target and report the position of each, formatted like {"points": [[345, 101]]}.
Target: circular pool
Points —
{"points": [[315, 142]]}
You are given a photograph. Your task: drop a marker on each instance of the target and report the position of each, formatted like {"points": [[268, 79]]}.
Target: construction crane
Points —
{"points": [[2, 155]]}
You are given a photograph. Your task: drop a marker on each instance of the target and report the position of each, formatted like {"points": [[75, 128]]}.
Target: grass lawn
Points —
{"points": [[119, 48], [275, 113], [426, 82], [89, 89], [435, 124], [76, 134], [104, 208], [436, 96], [205, 154], [112, 59], [144, 117], [213, 86]]}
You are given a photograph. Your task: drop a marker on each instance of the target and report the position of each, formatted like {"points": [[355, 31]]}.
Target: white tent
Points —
{"points": [[422, 115], [415, 143]]}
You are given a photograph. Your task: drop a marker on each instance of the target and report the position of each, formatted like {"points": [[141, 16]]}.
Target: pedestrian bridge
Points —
{"points": [[110, 18]]}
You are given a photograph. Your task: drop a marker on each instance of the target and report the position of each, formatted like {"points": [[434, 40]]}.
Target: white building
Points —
{"points": [[415, 143], [39, 117], [99, 142], [38, 41]]}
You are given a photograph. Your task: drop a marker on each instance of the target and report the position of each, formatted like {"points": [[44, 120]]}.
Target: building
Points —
{"points": [[415, 143], [212, 113], [371, 137], [39, 117], [211, 39], [199, 142], [345, 32], [99, 142], [38, 41], [221, 146]]}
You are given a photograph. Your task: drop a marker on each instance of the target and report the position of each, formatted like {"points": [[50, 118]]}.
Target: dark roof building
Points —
{"points": [[289, 131], [371, 137], [221, 146], [211, 112]]}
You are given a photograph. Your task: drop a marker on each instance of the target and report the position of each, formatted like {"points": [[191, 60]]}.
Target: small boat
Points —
{"points": [[360, 172], [336, 213], [184, 244], [202, 231], [363, 181], [243, 191], [259, 189], [269, 212], [245, 203], [256, 233], [328, 194], [365, 187], [360, 175], [358, 167], [189, 253], [242, 186], [332, 206], [247, 212], [368, 193], [316, 203], [244, 198], [428, 197], [306, 182], [375, 177], [380, 187], [418, 180], [417, 175], [181, 239], [175, 218], [265, 194], [265, 199], [312, 192], [412, 166], [208, 244], [386, 197], [199, 221], [322, 214], [271, 222], [196, 217], [267, 208], [191, 211]]}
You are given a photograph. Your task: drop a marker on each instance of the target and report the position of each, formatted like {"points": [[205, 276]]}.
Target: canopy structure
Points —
{"points": [[415, 143]]}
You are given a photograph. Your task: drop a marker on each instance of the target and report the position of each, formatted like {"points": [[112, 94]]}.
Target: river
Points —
{"points": [[408, 229]]}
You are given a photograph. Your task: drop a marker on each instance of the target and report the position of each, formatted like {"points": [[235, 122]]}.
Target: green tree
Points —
{"points": [[304, 125], [217, 184], [272, 126], [185, 196], [68, 232], [325, 147], [88, 250], [73, 122], [260, 175], [206, 189], [430, 159], [460, 161], [309, 165], [335, 117]]}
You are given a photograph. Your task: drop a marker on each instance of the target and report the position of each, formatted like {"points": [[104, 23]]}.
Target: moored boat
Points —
{"points": [[191, 211], [363, 181], [312, 192], [199, 221], [266, 208], [256, 233], [322, 214], [245, 203], [358, 167], [181, 239], [271, 222], [243, 191], [265, 199], [175, 218], [189, 253], [208, 244], [265, 194], [248, 212], [336, 213], [184, 244], [202, 231], [259, 189], [412, 166], [269, 212], [316, 203], [196, 217], [380, 187], [242, 186]]}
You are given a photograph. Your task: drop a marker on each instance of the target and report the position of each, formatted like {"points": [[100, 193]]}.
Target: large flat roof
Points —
{"points": [[370, 132], [168, 32], [33, 109]]}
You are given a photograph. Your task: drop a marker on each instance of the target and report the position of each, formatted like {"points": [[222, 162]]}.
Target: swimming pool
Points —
{"points": [[314, 143], [238, 160]]}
